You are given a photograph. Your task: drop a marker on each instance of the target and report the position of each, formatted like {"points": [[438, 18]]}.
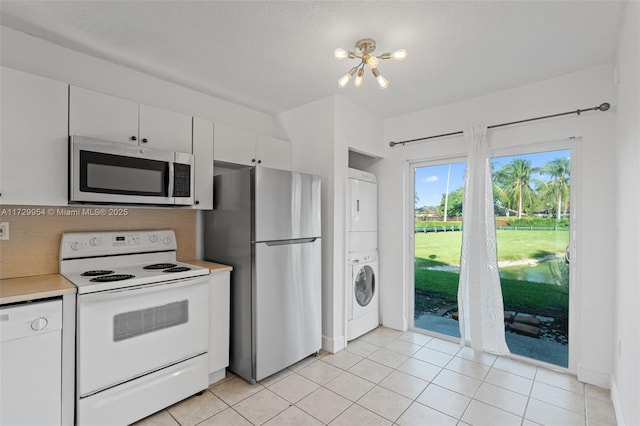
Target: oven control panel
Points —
{"points": [[125, 240], [84, 244]]}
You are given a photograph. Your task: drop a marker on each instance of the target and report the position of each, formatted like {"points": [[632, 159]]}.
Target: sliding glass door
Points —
{"points": [[438, 195], [532, 197], [533, 207]]}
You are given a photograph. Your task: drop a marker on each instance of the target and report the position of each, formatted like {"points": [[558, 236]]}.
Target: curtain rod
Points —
{"points": [[602, 107]]}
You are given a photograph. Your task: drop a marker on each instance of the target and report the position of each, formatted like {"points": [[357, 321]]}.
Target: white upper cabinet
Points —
{"points": [[164, 129], [234, 145], [203, 159], [237, 146], [274, 153], [101, 116], [33, 139]]}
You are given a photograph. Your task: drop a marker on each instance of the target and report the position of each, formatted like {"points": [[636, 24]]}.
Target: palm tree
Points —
{"points": [[560, 171], [515, 181]]}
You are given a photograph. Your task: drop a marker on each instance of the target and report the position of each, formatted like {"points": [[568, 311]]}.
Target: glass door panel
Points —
{"points": [[439, 190], [532, 206]]}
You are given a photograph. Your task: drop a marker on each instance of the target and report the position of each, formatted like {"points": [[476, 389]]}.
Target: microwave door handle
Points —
{"points": [[171, 178]]}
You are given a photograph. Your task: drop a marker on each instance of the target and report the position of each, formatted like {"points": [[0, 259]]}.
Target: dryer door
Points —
{"points": [[364, 288]]}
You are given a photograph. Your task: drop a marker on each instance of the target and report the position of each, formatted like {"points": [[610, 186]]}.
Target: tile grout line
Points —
{"points": [[396, 338]]}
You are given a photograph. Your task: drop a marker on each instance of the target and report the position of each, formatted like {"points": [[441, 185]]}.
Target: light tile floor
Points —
{"points": [[387, 377]]}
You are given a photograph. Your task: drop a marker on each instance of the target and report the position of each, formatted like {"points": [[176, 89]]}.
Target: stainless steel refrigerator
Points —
{"points": [[266, 224]]}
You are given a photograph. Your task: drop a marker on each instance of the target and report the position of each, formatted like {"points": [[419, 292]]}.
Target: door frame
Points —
{"points": [[410, 221], [574, 144]]}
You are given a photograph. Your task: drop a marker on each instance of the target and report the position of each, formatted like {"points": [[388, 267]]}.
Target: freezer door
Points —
{"points": [[287, 205], [288, 323]]}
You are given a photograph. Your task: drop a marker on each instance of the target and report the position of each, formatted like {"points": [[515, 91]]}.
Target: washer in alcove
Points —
{"points": [[363, 294]]}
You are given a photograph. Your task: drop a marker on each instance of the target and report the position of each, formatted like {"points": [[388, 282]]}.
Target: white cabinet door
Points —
{"points": [[100, 116], [164, 129], [234, 145], [219, 311], [33, 139], [203, 163], [274, 153], [250, 149]]}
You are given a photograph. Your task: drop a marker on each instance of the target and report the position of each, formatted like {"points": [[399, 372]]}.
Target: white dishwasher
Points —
{"points": [[31, 363]]}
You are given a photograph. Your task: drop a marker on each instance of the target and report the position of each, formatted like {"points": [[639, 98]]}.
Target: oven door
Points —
{"points": [[108, 172], [127, 333]]}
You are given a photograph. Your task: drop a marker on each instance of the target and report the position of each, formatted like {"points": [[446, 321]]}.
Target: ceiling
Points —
{"points": [[273, 56]]}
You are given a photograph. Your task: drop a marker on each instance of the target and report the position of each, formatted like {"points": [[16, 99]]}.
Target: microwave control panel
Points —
{"points": [[181, 180]]}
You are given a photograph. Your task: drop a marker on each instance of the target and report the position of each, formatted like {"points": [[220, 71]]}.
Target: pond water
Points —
{"points": [[539, 272], [536, 272]]}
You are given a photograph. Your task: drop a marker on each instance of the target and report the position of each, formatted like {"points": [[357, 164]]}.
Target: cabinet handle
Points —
{"points": [[259, 161], [145, 140], [133, 138], [253, 160], [197, 202]]}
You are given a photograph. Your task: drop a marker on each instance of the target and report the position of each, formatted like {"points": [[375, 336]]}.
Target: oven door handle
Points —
{"points": [[101, 296]]}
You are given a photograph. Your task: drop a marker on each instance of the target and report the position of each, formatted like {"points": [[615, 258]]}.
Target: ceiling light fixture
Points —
{"points": [[364, 48]]}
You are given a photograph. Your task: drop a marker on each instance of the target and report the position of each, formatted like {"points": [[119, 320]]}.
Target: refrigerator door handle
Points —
{"points": [[288, 242]]}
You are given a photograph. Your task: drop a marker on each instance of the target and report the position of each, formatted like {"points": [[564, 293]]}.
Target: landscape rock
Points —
{"points": [[527, 319], [527, 330]]}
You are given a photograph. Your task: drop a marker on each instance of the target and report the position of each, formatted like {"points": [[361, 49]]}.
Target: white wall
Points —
{"points": [[321, 133], [626, 378], [596, 234], [311, 128], [358, 129]]}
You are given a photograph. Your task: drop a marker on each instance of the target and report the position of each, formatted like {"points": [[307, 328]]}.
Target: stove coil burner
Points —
{"points": [[108, 278], [96, 273], [177, 269], [159, 266]]}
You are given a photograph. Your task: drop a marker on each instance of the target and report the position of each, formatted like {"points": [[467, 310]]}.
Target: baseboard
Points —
{"points": [[617, 404], [593, 377], [334, 345], [401, 325]]}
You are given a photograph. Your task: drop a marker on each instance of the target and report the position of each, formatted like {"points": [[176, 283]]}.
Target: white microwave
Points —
{"points": [[102, 172]]}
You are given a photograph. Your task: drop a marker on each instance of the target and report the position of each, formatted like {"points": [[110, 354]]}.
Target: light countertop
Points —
{"points": [[212, 266], [32, 288], [36, 287]]}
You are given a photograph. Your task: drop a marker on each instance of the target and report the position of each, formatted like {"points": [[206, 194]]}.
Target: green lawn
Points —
{"points": [[521, 296], [443, 248]]}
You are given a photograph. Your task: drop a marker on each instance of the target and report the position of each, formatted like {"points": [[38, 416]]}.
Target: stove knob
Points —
{"points": [[76, 245], [167, 240], [39, 324], [94, 241], [153, 238]]}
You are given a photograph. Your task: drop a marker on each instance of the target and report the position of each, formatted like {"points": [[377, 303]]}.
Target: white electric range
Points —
{"points": [[142, 323]]}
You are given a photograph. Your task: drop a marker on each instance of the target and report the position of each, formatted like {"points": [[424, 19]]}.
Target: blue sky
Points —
{"points": [[431, 181]]}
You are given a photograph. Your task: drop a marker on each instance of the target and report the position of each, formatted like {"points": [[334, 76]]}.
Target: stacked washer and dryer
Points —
{"points": [[362, 248]]}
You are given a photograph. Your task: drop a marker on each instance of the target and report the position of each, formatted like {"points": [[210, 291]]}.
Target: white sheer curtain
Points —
{"points": [[481, 312]]}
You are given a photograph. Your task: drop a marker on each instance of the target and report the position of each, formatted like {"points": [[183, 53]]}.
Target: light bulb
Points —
{"points": [[345, 78], [382, 82], [358, 81], [399, 54], [340, 53], [372, 61]]}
